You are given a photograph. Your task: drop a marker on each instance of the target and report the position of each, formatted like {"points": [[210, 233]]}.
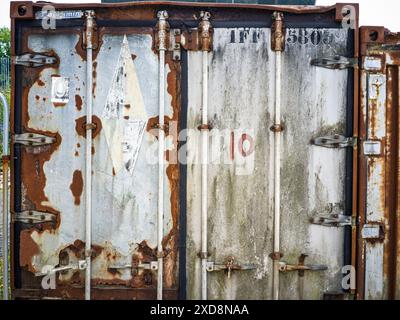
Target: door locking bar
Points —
{"points": [[301, 267], [47, 270], [228, 266]]}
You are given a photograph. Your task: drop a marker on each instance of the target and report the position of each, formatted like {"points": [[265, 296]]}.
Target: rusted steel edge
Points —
{"points": [[101, 293], [370, 46], [31, 6], [11, 168], [356, 113]]}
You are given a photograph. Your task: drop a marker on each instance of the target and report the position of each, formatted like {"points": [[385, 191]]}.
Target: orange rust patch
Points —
{"points": [[77, 186], [59, 104], [94, 75], [80, 126], [78, 102], [76, 153], [33, 177], [37, 97], [78, 145], [29, 249], [40, 83]]}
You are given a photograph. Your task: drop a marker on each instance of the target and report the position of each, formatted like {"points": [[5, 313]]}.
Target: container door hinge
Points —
{"points": [[301, 266], [33, 139], [175, 44], [33, 60], [33, 217], [228, 266], [335, 141], [48, 269], [335, 62], [333, 220]]}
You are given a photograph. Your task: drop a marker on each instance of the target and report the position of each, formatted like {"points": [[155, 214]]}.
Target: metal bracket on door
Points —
{"points": [[175, 44], [335, 141], [333, 220], [373, 231], [33, 60], [335, 62], [47, 270], [301, 267], [33, 139], [33, 217], [228, 266], [136, 265]]}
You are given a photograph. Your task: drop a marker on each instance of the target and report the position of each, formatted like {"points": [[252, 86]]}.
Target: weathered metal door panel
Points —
{"points": [[313, 177], [239, 225], [379, 123], [125, 108], [241, 96]]}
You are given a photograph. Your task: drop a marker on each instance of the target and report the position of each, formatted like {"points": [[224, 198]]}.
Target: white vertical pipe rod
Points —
{"points": [[204, 175], [88, 171], [205, 44], [162, 38], [5, 160], [277, 171]]}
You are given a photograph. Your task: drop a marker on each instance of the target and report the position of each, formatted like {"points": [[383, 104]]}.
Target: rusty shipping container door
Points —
{"points": [[226, 68], [378, 252]]}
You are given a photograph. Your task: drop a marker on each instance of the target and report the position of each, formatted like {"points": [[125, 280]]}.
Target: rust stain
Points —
{"points": [[29, 249], [80, 126], [113, 171], [93, 150], [37, 97], [59, 104], [126, 117], [40, 83], [77, 186], [76, 154], [33, 177], [78, 145], [78, 102], [94, 75]]}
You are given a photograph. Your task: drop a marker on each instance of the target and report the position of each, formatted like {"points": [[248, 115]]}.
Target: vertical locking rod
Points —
{"points": [[88, 171], [205, 43], [162, 27], [278, 44]]}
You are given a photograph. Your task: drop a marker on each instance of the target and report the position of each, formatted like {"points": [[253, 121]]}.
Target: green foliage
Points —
{"points": [[5, 43]]}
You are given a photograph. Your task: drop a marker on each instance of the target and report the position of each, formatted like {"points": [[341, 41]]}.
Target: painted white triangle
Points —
{"points": [[124, 116]]}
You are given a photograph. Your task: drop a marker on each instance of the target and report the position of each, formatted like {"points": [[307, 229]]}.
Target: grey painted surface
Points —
{"points": [[312, 178], [124, 204]]}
